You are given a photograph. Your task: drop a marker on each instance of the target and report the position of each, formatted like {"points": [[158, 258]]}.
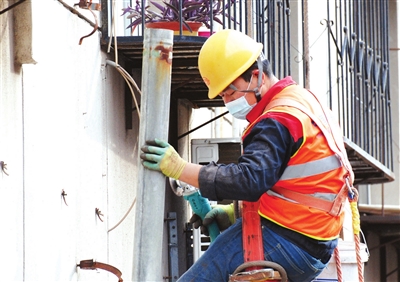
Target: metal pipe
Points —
{"points": [[154, 122], [287, 38], [306, 45], [388, 120], [284, 36]]}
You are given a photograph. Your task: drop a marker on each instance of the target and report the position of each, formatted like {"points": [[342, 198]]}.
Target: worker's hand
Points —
{"points": [[224, 215], [161, 156]]}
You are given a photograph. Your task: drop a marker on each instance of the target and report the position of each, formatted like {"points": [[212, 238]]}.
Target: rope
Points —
{"points": [[359, 261], [356, 229], [353, 199], [338, 265]]}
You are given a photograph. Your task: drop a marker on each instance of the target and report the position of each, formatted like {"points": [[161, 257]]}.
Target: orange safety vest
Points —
{"points": [[309, 196]]}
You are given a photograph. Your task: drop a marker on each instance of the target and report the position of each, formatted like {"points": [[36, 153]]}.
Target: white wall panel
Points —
{"points": [[11, 187], [121, 176], [62, 128]]}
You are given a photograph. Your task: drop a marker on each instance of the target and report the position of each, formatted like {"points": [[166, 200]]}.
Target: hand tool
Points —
{"points": [[199, 204]]}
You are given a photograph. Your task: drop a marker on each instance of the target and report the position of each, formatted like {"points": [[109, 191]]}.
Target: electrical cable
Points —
{"points": [[113, 34], [201, 125], [11, 6], [123, 218], [76, 12], [129, 81]]}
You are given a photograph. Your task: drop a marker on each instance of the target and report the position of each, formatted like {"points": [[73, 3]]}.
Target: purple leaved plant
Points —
{"points": [[169, 10]]}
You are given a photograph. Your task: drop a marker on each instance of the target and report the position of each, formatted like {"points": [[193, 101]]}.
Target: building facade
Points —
{"points": [[69, 126]]}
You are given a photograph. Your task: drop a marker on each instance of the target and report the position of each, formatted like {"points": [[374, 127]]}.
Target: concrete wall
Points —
{"points": [[11, 152], [62, 128]]}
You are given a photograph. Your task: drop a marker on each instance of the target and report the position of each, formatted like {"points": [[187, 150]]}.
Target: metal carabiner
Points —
{"points": [[352, 191]]}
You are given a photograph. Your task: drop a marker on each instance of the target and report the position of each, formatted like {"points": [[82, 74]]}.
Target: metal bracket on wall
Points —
{"points": [[63, 195], [3, 167], [87, 4], [189, 244], [99, 214], [93, 265], [173, 247]]}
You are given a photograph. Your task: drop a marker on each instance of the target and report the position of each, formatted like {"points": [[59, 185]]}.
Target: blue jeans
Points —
{"points": [[225, 254]]}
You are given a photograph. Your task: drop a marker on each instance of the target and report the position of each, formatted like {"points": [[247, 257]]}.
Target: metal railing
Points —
{"points": [[358, 39], [358, 59]]}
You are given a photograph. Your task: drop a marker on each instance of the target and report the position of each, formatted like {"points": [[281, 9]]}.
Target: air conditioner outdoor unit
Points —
{"points": [[204, 151]]}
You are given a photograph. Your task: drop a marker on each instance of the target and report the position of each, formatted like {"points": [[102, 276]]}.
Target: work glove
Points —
{"points": [[224, 215], [160, 156]]}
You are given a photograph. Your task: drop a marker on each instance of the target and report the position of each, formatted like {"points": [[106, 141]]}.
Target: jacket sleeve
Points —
{"points": [[266, 151]]}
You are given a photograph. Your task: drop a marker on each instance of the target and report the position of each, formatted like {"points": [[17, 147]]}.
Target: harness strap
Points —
{"points": [[329, 130], [334, 207]]}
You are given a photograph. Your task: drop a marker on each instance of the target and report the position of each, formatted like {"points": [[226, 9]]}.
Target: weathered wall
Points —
{"points": [[11, 152], [62, 128]]}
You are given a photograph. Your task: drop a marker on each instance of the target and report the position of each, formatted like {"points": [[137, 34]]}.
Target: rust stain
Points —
{"points": [[165, 53]]}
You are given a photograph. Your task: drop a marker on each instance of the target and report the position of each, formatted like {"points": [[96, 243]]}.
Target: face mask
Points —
{"points": [[239, 108]]}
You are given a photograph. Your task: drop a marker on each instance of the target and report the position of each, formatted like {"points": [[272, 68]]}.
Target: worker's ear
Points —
{"points": [[256, 72]]}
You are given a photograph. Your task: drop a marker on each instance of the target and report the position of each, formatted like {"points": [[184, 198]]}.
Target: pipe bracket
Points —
{"points": [[3, 167], [93, 265]]}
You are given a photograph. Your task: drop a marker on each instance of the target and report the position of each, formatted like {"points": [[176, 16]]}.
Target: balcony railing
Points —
{"points": [[358, 40], [358, 63]]}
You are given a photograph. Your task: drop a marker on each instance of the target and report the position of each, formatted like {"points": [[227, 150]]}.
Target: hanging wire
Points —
{"points": [[11, 6], [129, 81]]}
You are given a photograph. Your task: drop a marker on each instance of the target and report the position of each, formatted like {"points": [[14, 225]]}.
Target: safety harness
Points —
{"points": [[331, 203], [321, 200]]}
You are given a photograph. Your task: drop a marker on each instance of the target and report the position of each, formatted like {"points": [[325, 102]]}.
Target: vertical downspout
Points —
{"points": [[154, 123], [249, 19], [306, 45]]}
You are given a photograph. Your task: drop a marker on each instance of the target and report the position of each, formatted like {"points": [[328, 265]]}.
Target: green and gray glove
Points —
{"points": [[160, 156], [224, 215]]}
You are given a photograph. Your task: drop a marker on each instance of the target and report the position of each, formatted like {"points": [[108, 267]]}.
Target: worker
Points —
{"points": [[293, 163]]}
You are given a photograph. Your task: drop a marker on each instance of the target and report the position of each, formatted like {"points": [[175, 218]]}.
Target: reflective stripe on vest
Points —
{"points": [[324, 196], [311, 168]]}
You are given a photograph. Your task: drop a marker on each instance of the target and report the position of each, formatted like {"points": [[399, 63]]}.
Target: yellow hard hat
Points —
{"points": [[224, 57]]}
